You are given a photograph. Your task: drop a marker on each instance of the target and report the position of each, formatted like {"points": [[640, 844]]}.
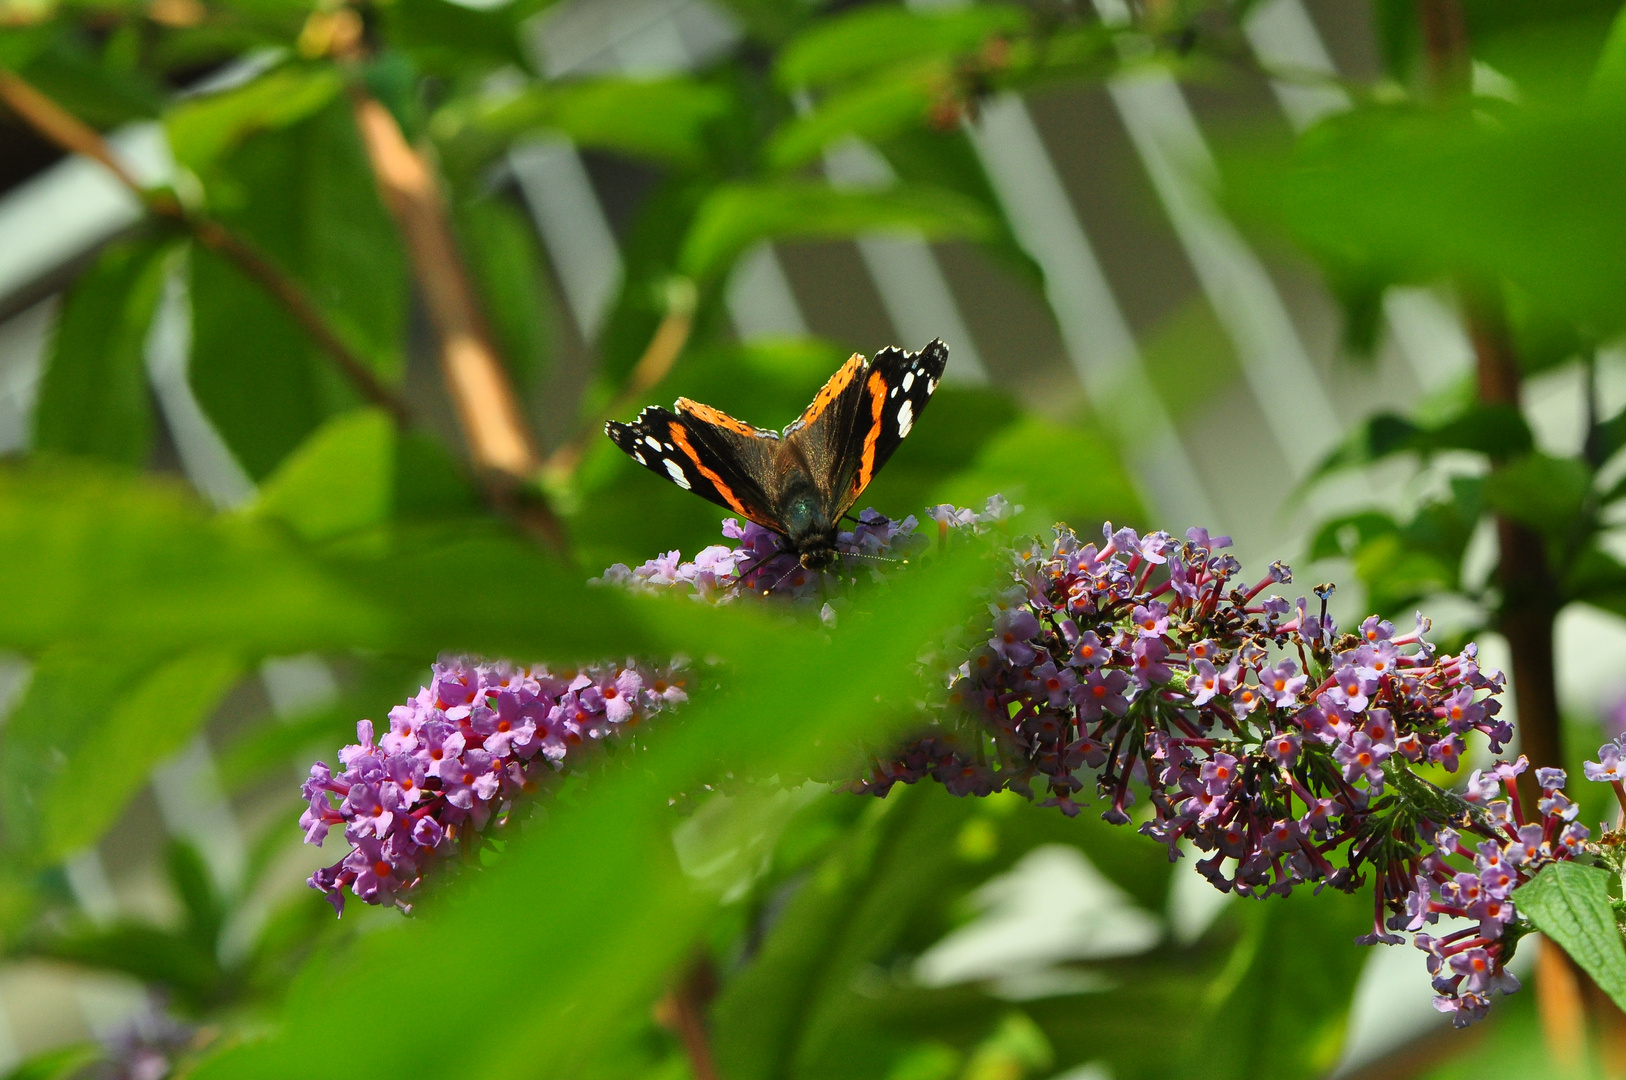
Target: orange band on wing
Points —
{"points": [[709, 415], [833, 389], [681, 438], [877, 402]]}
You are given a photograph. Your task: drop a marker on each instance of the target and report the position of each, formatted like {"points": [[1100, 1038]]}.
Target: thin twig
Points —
{"points": [[652, 367], [683, 1012], [500, 444], [70, 133]]}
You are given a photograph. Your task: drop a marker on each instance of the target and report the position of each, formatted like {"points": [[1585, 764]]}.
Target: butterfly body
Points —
{"points": [[799, 482]]}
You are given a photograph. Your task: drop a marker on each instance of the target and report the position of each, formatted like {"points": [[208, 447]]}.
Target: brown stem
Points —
{"points": [[488, 410], [683, 1012], [75, 136], [652, 367], [1445, 44]]}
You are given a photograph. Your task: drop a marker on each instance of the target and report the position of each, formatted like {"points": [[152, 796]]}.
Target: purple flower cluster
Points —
{"points": [[457, 760], [761, 565], [1266, 738], [1476, 884]]}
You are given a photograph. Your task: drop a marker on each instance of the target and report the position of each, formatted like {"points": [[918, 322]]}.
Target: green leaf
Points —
{"points": [[1598, 578], [306, 197], [93, 395], [859, 41], [203, 128], [735, 216], [1611, 436], [1101, 490], [340, 480], [454, 39], [173, 962], [608, 853], [155, 717], [877, 111], [58, 1064], [1570, 903], [1546, 493], [665, 120], [1343, 536], [205, 910], [510, 273], [1497, 431]]}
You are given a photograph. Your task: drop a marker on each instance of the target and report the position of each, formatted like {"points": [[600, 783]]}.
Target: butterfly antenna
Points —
{"points": [[781, 580]]}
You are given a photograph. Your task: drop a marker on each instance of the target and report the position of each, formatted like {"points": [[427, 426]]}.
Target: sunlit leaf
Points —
{"points": [[609, 855], [663, 119], [1571, 904], [339, 480], [202, 128], [880, 36], [736, 216], [155, 716]]}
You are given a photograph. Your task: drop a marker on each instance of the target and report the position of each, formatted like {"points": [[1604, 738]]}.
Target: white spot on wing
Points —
{"points": [[639, 458], [674, 470], [906, 418], [931, 386], [908, 379], [654, 444]]}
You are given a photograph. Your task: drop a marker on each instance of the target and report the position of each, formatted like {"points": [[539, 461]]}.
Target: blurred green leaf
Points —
{"points": [[454, 39], [1095, 486], [203, 128], [1611, 436], [510, 271], [58, 1063], [340, 480], [1400, 195], [205, 910], [735, 216], [1497, 431], [168, 960], [305, 196], [1570, 903], [93, 396], [1346, 534], [665, 119], [1546, 493], [155, 717], [863, 39], [875, 110], [609, 854], [1598, 578]]}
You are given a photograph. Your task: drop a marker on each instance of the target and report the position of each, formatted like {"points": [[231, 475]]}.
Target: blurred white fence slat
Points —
{"points": [[1093, 328]]}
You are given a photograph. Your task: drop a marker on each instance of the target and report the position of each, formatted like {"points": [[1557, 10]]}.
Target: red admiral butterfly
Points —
{"points": [[798, 483]]}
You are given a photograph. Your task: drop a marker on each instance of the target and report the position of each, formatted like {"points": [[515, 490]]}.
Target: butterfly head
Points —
{"points": [[811, 533]]}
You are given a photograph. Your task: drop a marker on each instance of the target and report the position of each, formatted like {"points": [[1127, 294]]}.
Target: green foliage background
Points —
{"points": [[139, 608]]}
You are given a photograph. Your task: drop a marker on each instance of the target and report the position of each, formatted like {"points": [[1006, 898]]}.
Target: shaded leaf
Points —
{"points": [[500, 244], [155, 717], [1570, 903], [1546, 493], [1497, 431], [93, 396]]}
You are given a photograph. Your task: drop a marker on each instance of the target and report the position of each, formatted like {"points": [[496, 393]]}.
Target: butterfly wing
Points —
{"points": [[820, 436], [704, 451], [870, 413]]}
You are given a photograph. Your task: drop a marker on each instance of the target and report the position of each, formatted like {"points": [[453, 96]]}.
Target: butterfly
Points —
{"points": [[799, 482]]}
